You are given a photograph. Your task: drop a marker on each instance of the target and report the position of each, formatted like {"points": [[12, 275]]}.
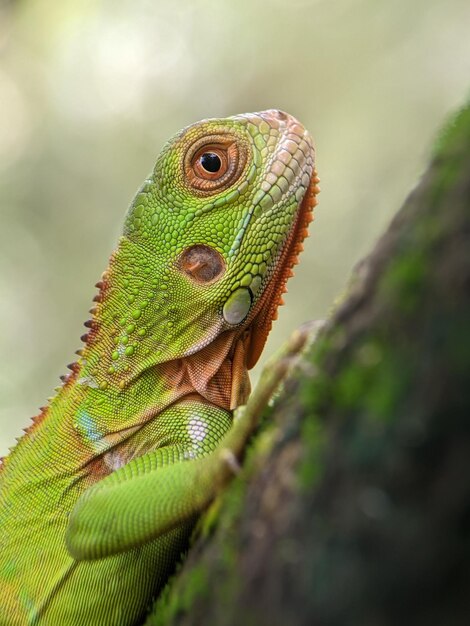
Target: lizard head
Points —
{"points": [[211, 237]]}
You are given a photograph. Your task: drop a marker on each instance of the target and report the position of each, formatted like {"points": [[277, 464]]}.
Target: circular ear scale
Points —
{"points": [[237, 306]]}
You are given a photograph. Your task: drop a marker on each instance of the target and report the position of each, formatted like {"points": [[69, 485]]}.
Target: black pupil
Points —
{"points": [[211, 162]]}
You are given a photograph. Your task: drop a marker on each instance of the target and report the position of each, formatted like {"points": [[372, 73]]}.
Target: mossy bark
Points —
{"points": [[354, 505]]}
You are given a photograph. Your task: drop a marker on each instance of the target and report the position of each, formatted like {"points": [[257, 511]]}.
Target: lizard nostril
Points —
{"points": [[276, 116], [280, 115]]}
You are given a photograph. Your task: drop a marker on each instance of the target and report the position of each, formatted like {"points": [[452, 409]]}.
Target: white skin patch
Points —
{"points": [[88, 381], [197, 430]]}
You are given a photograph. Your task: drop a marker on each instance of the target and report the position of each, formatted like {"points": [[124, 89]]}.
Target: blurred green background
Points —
{"points": [[90, 90]]}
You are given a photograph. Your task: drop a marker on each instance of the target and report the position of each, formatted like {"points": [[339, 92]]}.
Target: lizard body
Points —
{"points": [[98, 497]]}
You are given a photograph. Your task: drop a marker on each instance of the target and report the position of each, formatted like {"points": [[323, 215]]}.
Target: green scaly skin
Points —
{"points": [[98, 497]]}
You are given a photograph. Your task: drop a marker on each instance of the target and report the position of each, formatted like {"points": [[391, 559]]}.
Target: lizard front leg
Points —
{"points": [[162, 489], [152, 493]]}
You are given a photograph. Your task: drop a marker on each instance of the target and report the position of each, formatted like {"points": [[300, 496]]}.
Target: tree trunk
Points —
{"points": [[353, 507]]}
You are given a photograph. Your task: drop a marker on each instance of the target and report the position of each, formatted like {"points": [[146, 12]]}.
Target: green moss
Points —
{"points": [[404, 281], [375, 380], [388, 388], [310, 470], [456, 129], [170, 605]]}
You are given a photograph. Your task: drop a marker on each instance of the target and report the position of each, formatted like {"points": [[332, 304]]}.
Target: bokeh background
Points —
{"points": [[90, 89]]}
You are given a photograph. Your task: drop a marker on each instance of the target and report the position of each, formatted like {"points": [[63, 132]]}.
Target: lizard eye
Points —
{"points": [[213, 164], [210, 162]]}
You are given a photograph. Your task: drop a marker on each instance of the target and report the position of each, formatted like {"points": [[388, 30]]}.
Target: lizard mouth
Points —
{"points": [[289, 176], [267, 308]]}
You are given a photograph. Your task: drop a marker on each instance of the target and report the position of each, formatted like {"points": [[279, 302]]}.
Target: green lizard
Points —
{"points": [[99, 496]]}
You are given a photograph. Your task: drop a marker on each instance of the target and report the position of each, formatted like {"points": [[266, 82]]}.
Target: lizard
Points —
{"points": [[99, 496]]}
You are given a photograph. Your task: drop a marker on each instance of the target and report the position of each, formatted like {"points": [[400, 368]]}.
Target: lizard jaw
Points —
{"points": [[267, 308]]}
